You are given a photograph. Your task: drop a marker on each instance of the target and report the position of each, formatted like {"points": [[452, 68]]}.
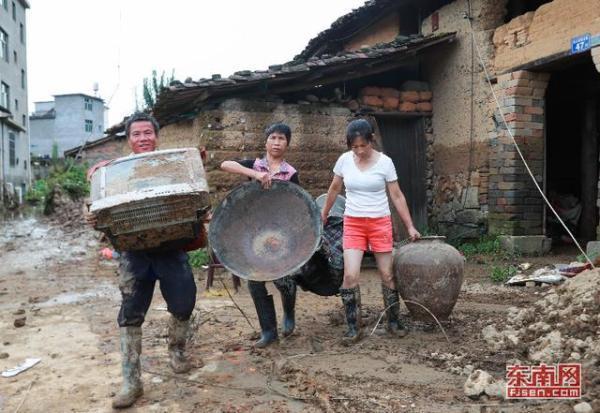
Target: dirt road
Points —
{"points": [[70, 300]]}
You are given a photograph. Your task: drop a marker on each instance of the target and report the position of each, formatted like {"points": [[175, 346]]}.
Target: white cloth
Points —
{"points": [[365, 190]]}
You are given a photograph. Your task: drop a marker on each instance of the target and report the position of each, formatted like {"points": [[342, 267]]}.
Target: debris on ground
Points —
{"points": [[27, 364], [563, 326]]}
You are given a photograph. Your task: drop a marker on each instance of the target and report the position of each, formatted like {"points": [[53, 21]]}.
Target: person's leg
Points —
{"points": [[178, 288], [136, 296], [350, 292], [382, 245], [287, 288], [265, 310]]}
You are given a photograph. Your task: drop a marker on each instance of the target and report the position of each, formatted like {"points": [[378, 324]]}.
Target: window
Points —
{"points": [[4, 3], [87, 103], [3, 45], [16, 105], [23, 78], [14, 9], [4, 96], [24, 120], [15, 56], [22, 33], [99, 128], [89, 125], [12, 153]]}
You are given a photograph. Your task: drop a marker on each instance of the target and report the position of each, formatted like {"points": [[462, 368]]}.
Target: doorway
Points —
{"points": [[403, 140]]}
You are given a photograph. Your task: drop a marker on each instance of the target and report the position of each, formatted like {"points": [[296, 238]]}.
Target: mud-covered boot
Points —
{"points": [[131, 349], [391, 302], [287, 288], [265, 309], [351, 300], [178, 332]]}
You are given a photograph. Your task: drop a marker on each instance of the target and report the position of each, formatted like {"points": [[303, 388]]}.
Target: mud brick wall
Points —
{"points": [[515, 205], [235, 130], [544, 32], [114, 148], [460, 143]]}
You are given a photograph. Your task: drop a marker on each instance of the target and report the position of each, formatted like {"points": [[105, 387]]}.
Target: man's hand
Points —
{"points": [[264, 178], [90, 217]]}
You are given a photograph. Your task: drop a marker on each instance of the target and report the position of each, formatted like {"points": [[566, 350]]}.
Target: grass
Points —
{"points": [[198, 258], [501, 274], [487, 245]]}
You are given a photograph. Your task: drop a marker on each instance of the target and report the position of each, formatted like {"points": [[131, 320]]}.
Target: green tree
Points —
{"points": [[151, 88]]}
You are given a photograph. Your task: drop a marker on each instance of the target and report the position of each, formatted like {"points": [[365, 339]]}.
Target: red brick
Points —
{"points": [[424, 107], [410, 96], [390, 103], [407, 107], [521, 74], [534, 110]]}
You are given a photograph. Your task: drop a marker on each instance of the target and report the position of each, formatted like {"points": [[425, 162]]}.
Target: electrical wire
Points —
{"points": [[501, 111]]}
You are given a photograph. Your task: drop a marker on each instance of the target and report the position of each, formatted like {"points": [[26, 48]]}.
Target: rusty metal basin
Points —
{"points": [[264, 234]]}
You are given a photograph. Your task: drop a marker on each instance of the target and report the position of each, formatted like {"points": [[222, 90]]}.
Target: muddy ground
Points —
{"points": [[53, 276]]}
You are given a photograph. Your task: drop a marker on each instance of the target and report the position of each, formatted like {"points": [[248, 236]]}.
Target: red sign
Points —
{"points": [[560, 381]]}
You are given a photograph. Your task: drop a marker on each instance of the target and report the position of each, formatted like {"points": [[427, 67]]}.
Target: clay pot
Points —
{"points": [[429, 272]]}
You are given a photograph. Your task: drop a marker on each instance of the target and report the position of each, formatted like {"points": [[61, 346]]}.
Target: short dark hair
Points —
{"points": [[359, 128], [141, 117], [279, 128]]}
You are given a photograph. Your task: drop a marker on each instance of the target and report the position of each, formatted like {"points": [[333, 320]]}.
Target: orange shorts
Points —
{"points": [[374, 234]]}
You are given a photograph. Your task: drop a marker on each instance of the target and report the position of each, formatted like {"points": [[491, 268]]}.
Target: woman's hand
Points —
{"points": [[323, 217], [413, 234], [264, 178]]}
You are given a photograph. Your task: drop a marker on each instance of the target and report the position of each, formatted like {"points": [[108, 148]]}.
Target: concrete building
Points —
{"points": [[14, 137], [69, 120]]}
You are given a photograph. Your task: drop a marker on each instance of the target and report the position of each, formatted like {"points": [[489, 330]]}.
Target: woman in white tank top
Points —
{"points": [[367, 174]]}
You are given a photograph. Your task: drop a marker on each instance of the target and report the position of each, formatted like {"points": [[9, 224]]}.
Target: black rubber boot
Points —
{"points": [[131, 349], [265, 309], [351, 300], [391, 302], [287, 288]]}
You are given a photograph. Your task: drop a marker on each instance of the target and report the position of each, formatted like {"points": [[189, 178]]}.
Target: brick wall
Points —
{"points": [[236, 130], [545, 32], [515, 205]]}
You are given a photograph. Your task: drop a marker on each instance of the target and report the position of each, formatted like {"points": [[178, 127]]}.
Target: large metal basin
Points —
{"points": [[264, 234]]}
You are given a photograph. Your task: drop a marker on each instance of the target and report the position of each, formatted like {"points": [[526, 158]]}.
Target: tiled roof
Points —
{"points": [[182, 99]]}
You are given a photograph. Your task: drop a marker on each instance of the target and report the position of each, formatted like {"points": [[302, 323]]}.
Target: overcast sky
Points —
{"points": [[116, 43]]}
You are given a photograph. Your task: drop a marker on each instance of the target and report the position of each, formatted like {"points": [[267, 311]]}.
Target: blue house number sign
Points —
{"points": [[581, 43]]}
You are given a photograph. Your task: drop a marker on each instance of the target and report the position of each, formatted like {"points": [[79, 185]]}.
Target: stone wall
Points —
{"points": [[462, 117], [544, 32], [236, 130]]}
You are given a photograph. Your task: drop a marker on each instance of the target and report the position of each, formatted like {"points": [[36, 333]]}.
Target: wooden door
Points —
{"points": [[404, 141]]}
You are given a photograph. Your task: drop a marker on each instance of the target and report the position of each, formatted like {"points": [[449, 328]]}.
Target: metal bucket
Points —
{"points": [[263, 235]]}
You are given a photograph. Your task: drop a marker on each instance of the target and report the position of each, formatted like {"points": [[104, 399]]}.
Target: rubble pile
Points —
{"points": [[66, 212], [563, 326]]}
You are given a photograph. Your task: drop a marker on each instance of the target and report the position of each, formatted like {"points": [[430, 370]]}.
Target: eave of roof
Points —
{"points": [[87, 145], [183, 98]]}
